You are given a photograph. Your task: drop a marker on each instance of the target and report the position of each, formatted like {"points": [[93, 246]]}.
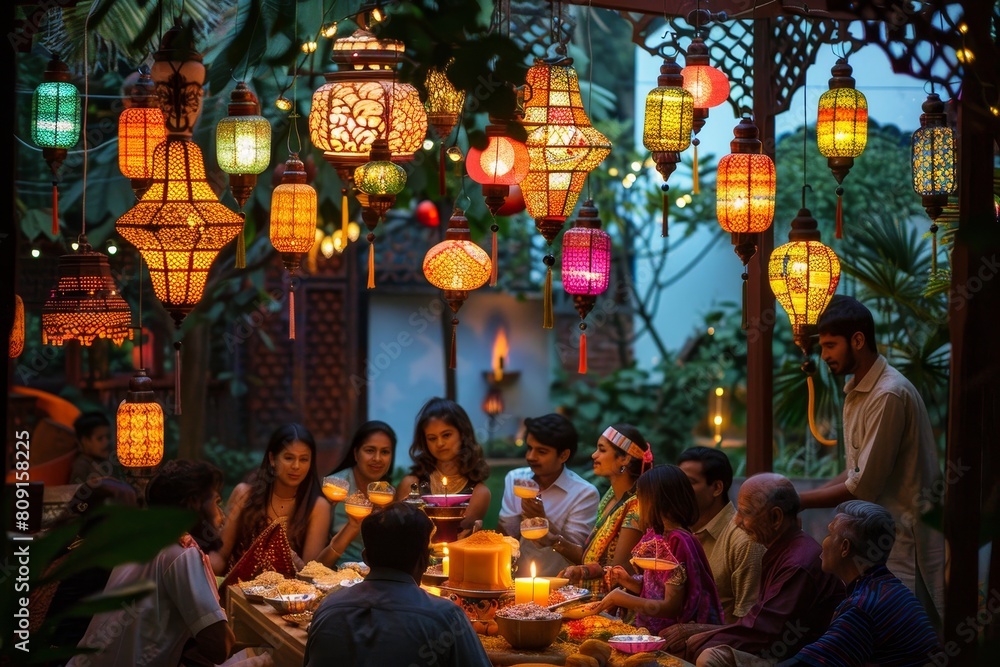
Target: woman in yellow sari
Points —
{"points": [[622, 455]]}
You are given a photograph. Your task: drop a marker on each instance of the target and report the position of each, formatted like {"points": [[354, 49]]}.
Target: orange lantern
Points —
{"points": [[139, 435], [293, 223], [503, 163], [17, 329], [709, 87], [745, 190], [456, 265], [141, 129]]}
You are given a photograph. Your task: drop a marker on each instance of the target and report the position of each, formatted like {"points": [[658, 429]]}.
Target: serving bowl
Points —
{"points": [[528, 635], [295, 603], [637, 643], [450, 500]]}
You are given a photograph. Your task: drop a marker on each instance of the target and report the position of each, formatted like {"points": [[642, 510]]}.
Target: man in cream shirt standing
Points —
{"points": [[568, 501]]}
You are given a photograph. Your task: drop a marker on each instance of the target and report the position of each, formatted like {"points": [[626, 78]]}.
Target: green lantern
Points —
{"points": [[243, 141], [55, 123]]}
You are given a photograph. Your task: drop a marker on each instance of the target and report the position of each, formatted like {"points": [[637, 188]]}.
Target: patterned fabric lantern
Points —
{"points": [[803, 274], [667, 124], [456, 265], [841, 128], [85, 304], [141, 129], [745, 189], [361, 102], [17, 329], [379, 181], [563, 147], [933, 160], [586, 267], [293, 223], [139, 435], [709, 87], [55, 123]]}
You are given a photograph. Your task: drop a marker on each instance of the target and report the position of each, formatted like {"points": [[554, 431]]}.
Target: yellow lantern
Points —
{"points": [[139, 436], [745, 190], [803, 274], [456, 265], [17, 330], [444, 102], [293, 223], [243, 142], [666, 127], [141, 128], [841, 128]]}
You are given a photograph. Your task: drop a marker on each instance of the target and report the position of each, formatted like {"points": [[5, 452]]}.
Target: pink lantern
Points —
{"points": [[586, 267]]}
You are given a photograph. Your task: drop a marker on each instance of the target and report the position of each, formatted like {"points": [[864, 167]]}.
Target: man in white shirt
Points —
{"points": [[568, 501], [733, 556], [892, 457]]}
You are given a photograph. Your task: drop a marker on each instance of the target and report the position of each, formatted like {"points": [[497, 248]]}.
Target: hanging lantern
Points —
{"points": [[139, 435], [17, 329], [803, 274], [85, 304], [933, 160], [745, 189], [667, 124], [586, 267], [141, 129], [708, 86], [456, 265], [503, 163], [841, 128], [179, 226], [55, 123], [293, 224], [444, 103], [378, 181], [243, 142], [563, 147]]}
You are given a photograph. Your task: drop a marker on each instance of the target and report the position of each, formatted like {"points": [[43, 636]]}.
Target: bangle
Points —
{"points": [[557, 544]]}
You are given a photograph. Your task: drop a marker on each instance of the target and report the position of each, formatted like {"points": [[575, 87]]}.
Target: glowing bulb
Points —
{"points": [[649, 163], [965, 56], [963, 27], [681, 202], [353, 231], [613, 172], [74, 245], [717, 420], [719, 391], [283, 103], [454, 154], [329, 30], [636, 166], [428, 144], [36, 253], [711, 331], [626, 183], [309, 47], [687, 198], [377, 16], [112, 248], [338, 241], [326, 246]]}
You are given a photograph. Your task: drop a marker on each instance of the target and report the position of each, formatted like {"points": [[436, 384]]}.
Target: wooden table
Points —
{"points": [[261, 625]]}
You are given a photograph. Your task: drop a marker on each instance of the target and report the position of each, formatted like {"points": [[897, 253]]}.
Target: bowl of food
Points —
{"points": [[528, 627], [292, 603], [637, 643], [447, 500]]}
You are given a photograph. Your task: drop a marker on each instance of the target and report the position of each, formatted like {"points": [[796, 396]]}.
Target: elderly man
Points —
{"points": [[734, 557], [388, 619], [796, 598], [880, 622]]}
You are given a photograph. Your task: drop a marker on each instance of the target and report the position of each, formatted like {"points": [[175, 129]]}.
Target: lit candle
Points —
{"points": [[531, 589], [444, 563], [444, 482]]}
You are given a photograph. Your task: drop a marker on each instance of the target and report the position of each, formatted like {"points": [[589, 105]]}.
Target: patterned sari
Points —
{"points": [[603, 539], [269, 551]]}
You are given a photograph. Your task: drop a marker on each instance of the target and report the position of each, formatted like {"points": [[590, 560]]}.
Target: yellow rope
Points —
{"points": [[812, 415]]}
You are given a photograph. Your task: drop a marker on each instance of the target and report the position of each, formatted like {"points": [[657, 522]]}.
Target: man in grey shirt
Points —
{"points": [[388, 619]]}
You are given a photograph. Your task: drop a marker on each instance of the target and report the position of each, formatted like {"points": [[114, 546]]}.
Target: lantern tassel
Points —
{"points": [[454, 343], [666, 213], [745, 322], [291, 313], [695, 189], [345, 217], [582, 368], [177, 378], [371, 266], [493, 255], [241, 249], [812, 417], [934, 248], [441, 167], [547, 301], [840, 213], [55, 208]]}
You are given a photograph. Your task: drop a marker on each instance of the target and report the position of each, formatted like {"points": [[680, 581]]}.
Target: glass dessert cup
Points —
{"points": [[534, 529], [381, 493], [525, 488], [335, 489]]}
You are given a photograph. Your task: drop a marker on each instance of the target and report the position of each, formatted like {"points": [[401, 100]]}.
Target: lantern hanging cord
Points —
{"points": [[293, 117], [805, 134], [86, 92], [590, 82]]}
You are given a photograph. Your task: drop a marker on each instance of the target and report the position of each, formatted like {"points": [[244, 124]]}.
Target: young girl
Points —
{"points": [[444, 447], [661, 598]]}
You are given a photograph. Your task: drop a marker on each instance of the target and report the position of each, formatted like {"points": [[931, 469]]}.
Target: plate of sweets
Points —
{"points": [[566, 594], [260, 586], [653, 554]]}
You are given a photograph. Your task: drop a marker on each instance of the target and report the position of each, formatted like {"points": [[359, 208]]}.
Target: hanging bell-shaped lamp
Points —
{"points": [[17, 329], [379, 181], [179, 226], [586, 267], [841, 128], [933, 160], [85, 303], [457, 265], [709, 87], [139, 435], [803, 274], [666, 128], [293, 224], [141, 129], [563, 147], [55, 123]]}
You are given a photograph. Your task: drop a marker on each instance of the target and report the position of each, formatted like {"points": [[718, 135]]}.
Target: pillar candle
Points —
{"points": [[444, 563], [531, 589]]}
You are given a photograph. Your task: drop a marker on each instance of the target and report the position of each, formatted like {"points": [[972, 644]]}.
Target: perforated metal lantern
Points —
{"points": [[141, 128], [85, 304], [666, 127], [16, 343], [243, 142], [55, 114], [139, 421], [933, 157], [804, 275], [745, 189], [293, 214], [842, 121], [444, 102], [586, 267]]}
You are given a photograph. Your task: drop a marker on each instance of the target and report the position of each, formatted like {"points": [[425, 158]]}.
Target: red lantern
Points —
{"points": [[709, 87], [427, 214]]}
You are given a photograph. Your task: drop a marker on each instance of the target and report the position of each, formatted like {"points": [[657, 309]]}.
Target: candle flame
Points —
{"points": [[444, 483], [533, 571], [446, 551], [500, 351]]}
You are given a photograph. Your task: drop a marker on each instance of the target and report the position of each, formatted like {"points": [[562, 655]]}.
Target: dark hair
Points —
{"points": [[845, 316], [471, 461], [189, 484], [715, 466], [553, 430], [397, 537], [88, 422], [253, 518], [364, 432], [634, 465], [870, 529], [93, 494], [665, 491]]}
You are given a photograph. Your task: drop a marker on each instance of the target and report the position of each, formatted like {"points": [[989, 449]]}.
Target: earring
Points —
{"points": [[621, 470]]}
